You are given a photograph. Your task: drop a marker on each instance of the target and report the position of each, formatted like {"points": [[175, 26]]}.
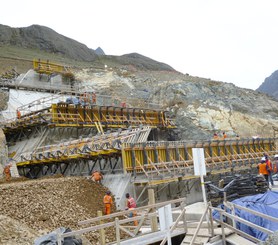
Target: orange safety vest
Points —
{"points": [[7, 170], [269, 164], [97, 176], [107, 200], [262, 169], [94, 98], [18, 114]]}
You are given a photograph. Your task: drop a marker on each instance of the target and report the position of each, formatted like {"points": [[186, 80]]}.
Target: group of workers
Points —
{"points": [[107, 199], [130, 205], [223, 136], [220, 137], [267, 168]]}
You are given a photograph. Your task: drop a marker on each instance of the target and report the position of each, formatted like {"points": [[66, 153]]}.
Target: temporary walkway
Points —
{"points": [[70, 115], [164, 162], [103, 144], [149, 230], [151, 163]]}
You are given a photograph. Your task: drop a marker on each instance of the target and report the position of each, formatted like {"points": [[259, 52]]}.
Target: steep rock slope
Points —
{"points": [[44, 38], [200, 106], [270, 85]]}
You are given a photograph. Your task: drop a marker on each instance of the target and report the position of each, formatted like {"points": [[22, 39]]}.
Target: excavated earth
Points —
{"points": [[36, 207]]}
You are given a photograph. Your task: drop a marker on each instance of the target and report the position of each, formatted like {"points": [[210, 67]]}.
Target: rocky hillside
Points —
{"points": [[200, 106], [136, 61], [44, 38], [270, 85]]}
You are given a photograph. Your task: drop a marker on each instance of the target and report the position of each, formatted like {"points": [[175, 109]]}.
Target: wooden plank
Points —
{"points": [[235, 239], [150, 238]]}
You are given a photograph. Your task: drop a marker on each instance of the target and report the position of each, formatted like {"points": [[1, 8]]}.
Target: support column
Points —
{"points": [[154, 226], [101, 231]]}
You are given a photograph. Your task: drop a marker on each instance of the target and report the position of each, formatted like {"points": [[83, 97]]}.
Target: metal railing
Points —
{"points": [[234, 218], [147, 212]]}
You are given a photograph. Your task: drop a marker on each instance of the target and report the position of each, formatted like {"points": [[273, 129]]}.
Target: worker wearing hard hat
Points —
{"points": [[269, 168], [107, 201], [97, 176], [262, 169]]}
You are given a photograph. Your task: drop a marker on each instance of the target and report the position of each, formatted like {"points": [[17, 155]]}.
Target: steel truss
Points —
{"points": [[79, 167]]}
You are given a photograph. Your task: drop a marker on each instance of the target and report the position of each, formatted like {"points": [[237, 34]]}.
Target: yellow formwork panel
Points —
{"points": [[68, 113], [150, 155], [172, 154], [46, 67], [227, 150]]}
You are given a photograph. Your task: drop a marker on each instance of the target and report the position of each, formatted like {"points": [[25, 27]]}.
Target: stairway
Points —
{"points": [[205, 238]]}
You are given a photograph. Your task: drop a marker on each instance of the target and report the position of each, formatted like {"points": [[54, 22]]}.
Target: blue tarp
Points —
{"points": [[266, 203]]}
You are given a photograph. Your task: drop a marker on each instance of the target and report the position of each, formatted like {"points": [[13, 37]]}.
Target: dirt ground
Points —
{"points": [[46, 204]]}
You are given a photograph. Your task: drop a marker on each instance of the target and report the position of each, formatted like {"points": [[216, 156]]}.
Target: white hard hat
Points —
{"points": [[276, 156], [263, 159]]}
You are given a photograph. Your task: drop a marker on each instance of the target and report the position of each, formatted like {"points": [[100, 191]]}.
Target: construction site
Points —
{"points": [[57, 131]]}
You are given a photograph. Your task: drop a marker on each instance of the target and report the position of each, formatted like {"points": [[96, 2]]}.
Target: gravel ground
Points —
{"points": [[47, 204]]}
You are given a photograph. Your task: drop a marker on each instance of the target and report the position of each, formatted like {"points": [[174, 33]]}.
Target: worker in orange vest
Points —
{"points": [[18, 114], [97, 176], [107, 201], [7, 172], [224, 135], [262, 169], [269, 168], [275, 164]]}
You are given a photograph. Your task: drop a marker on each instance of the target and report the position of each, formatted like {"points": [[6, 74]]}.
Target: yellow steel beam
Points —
{"points": [[69, 115], [220, 151]]}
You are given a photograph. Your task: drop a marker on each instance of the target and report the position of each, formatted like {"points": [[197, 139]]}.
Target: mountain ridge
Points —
{"points": [[270, 85], [48, 40]]}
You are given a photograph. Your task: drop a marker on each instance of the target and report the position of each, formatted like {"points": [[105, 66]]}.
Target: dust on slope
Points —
{"points": [[47, 204]]}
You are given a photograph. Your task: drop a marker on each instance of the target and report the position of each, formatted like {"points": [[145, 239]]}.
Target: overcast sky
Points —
{"points": [[232, 41]]}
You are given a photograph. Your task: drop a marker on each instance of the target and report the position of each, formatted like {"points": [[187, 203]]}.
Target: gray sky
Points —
{"points": [[231, 41]]}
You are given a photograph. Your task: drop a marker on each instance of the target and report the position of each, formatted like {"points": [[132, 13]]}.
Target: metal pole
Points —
{"points": [[169, 242], [222, 229], [184, 218], [203, 188]]}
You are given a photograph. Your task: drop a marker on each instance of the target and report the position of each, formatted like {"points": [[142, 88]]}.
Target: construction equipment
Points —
{"points": [[49, 68]]}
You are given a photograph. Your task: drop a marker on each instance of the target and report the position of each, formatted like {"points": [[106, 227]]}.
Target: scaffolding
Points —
{"points": [[87, 148], [49, 68], [164, 162]]}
